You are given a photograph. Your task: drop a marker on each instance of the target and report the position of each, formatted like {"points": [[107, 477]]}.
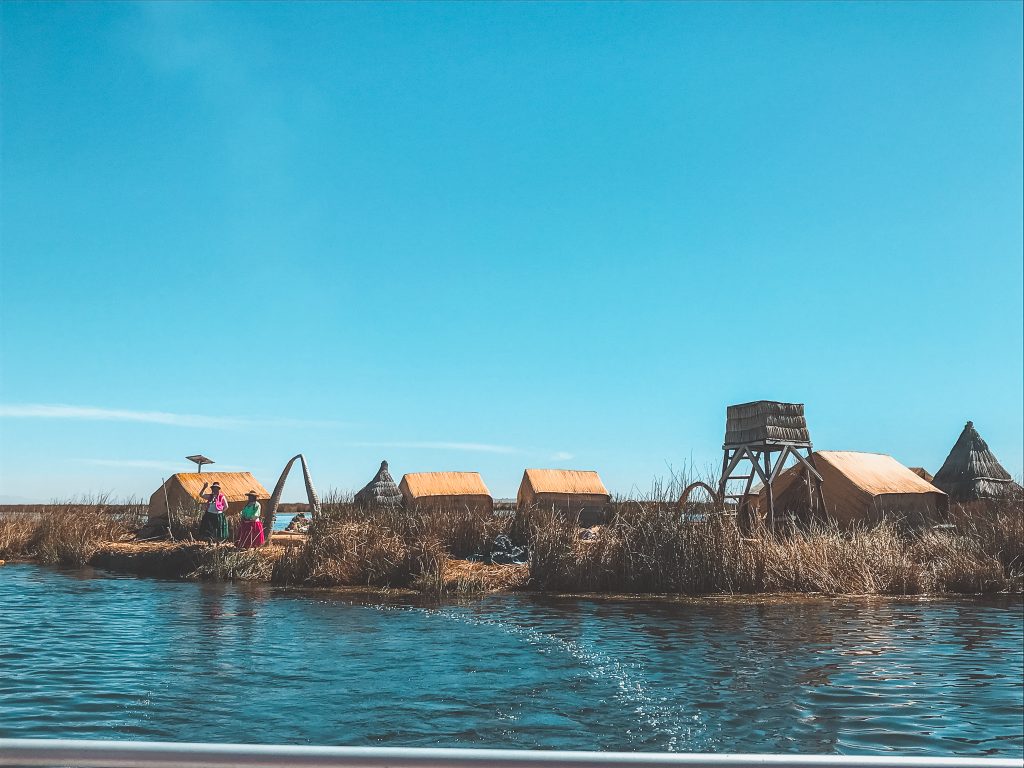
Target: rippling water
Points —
{"points": [[89, 655]]}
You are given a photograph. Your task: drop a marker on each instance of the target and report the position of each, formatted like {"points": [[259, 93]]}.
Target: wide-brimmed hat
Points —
{"points": [[215, 484], [252, 493]]}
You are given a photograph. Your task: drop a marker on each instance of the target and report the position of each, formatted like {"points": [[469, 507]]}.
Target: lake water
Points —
{"points": [[89, 655]]}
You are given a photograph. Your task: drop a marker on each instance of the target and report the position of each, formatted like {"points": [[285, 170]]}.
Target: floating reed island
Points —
{"points": [[781, 518]]}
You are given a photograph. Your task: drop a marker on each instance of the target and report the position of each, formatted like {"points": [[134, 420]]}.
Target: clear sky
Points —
{"points": [[495, 236]]}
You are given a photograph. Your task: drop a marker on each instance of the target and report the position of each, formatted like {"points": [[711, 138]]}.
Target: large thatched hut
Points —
{"points": [[181, 493], [382, 491], [436, 490], [569, 491], [972, 472], [860, 487]]}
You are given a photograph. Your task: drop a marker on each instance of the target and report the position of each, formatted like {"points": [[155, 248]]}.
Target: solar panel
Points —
{"points": [[199, 459]]}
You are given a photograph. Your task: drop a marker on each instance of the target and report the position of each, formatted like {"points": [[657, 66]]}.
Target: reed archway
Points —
{"points": [[684, 497], [275, 498]]}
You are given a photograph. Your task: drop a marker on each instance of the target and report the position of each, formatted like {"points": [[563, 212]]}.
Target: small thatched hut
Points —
{"points": [[972, 472], [922, 473], [436, 490], [568, 491], [181, 492], [382, 491], [860, 487]]}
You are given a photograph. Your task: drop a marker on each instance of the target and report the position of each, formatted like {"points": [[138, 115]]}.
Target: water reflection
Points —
{"points": [[89, 655]]}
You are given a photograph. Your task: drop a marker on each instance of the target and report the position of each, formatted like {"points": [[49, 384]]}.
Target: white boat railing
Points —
{"points": [[153, 754]]}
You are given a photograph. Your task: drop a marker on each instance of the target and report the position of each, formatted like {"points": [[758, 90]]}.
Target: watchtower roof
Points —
{"points": [[766, 421]]}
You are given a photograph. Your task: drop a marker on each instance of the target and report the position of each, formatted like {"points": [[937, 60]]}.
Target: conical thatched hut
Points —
{"points": [[972, 472], [382, 491]]}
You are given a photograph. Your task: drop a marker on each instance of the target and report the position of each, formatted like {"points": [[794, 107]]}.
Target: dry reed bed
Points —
{"points": [[67, 532], [351, 546], [646, 547], [649, 547]]}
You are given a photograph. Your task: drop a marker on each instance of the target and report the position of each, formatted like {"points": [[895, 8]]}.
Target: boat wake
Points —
{"points": [[661, 721]]}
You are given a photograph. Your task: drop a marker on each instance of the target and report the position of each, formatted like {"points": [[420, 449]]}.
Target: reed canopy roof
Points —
{"points": [[972, 472], [875, 473], [859, 486], [424, 484], [766, 421], [564, 481], [234, 485], [381, 491]]}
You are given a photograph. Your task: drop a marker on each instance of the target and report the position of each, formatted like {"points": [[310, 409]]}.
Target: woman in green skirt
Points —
{"points": [[213, 527]]}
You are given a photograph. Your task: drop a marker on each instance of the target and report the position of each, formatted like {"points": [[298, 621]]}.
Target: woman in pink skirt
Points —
{"points": [[250, 531]]}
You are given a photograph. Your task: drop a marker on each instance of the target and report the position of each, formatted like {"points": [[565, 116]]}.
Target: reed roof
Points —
{"points": [[421, 484], [766, 421], [381, 490], [971, 471], [234, 485], [875, 473], [565, 481]]}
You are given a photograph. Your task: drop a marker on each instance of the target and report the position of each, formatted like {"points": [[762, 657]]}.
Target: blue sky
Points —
{"points": [[493, 236]]}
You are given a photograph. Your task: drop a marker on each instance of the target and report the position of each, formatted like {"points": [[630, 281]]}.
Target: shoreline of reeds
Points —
{"points": [[646, 548]]}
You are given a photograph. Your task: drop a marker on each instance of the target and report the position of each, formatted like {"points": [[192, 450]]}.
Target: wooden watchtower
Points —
{"points": [[760, 438]]}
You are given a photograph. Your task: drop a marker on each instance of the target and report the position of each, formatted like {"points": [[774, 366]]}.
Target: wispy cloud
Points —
{"points": [[444, 446], [168, 466], [89, 413], [128, 463], [561, 456], [195, 421]]}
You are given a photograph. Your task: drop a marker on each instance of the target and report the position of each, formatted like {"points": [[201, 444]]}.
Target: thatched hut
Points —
{"points": [[569, 491], [436, 490], [922, 473], [860, 487], [181, 493], [972, 472], [382, 491]]}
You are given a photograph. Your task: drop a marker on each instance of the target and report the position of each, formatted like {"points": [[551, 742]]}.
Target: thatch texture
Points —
{"points": [[182, 492], [972, 472], [860, 487], [565, 490], [922, 473], [425, 490], [766, 421], [382, 491]]}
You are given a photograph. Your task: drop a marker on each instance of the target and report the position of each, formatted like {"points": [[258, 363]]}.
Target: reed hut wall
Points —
{"points": [[182, 492], [860, 487], [426, 491], [570, 492]]}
